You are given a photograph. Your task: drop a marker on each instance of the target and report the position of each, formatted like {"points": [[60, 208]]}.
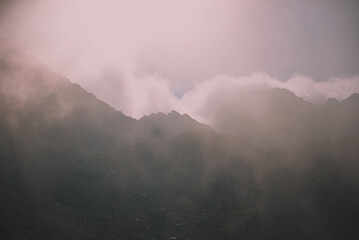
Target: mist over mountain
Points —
{"points": [[273, 166], [279, 118]]}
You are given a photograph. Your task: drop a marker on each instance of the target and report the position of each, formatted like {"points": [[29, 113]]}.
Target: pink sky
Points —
{"points": [[140, 56]]}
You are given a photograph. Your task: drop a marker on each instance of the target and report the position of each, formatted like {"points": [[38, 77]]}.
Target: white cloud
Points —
{"points": [[133, 53], [204, 100]]}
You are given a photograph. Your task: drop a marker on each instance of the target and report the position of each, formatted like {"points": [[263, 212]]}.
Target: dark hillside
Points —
{"points": [[72, 167]]}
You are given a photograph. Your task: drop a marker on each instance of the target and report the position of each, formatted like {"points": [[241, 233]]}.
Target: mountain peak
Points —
{"points": [[330, 102], [354, 96], [283, 92], [352, 99], [166, 125], [174, 113], [170, 115]]}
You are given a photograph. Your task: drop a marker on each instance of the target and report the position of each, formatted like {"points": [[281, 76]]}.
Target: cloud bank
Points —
{"points": [[192, 56], [207, 97], [204, 100]]}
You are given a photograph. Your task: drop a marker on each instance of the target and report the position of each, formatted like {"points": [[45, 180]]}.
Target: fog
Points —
{"points": [[145, 57], [74, 168], [274, 164]]}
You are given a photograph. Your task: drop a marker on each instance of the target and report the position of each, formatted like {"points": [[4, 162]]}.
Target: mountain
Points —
{"points": [[270, 119], [163, 125], [72, 167], [342, 117], [60, 148], [35, 99], [279, 118]]}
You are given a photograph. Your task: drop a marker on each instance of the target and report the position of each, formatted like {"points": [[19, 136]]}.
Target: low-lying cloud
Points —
{"points": [[137, 95], [142, 95], [208, 96], [191, 56]]}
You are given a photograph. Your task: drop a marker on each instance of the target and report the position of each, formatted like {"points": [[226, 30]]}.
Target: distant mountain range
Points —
{"points": [[71, 167], [279, 118]]}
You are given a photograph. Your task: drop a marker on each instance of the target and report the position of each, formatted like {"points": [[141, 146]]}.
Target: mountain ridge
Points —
{"points": [[280, 118], [72, 167]]}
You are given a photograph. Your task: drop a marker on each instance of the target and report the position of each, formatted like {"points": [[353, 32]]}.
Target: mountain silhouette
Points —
{"points": [[72, 167], [279, 118]]}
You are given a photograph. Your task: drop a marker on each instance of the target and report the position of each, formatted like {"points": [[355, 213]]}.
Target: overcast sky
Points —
{"points": [[141, 56]]}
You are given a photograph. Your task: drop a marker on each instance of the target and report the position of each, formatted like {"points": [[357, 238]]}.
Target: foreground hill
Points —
{"points": [[71, 167]]}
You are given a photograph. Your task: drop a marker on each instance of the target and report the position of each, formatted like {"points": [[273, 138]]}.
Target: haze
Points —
{"points": [[154, 56], [264, 151]]}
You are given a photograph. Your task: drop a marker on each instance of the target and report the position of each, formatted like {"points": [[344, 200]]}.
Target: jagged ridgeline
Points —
{"points": [[72, 167]]}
